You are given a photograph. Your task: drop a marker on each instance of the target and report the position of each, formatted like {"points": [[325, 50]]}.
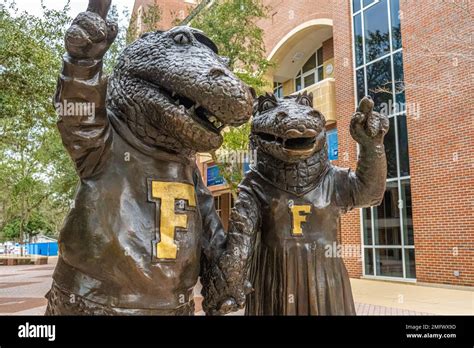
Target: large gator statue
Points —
{"points": [[143, 226], [284, 225]]}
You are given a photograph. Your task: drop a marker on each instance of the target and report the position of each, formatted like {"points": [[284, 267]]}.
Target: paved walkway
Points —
{"points": [[22, 290]]}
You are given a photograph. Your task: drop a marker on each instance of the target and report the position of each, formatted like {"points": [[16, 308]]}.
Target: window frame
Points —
{"points": [[395, 115], [313, 71], [278, 89]]}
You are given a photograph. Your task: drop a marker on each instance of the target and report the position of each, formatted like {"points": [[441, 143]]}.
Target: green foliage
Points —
{"points": [[232, 25], [111, 57], [147, 21], [37, 178], [36, 224]]}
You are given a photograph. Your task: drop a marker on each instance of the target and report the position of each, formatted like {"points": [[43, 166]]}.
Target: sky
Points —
{"points": [[33, 7]]}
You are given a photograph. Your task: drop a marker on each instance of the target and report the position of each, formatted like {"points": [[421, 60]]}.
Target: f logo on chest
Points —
{"points": [[299, 214], [167, 195]]}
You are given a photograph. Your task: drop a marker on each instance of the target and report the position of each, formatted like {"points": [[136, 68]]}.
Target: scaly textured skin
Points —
{"points": [[170, 96], [157, 66], [290, 139]]}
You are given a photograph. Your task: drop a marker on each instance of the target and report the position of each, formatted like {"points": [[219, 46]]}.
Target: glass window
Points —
{"points": [[320, 56], [389, 262], [369, 261], [391, 151], [410, 263], [359, 54], [360, 85], [367, 225], [309, 80], [217, 204], [377, 39], [355, 5], [408, 236], [392, 220], [396, 30], [403, 145], [387, 218], [298, 84], [311, 72], [320, 73], [398, 78], [278, 89], [310, 64], [379, 83], [368, 2]]}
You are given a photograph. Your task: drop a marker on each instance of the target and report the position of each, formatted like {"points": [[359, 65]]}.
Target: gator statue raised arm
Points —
{"points": [[143, 226], [284, 225]]}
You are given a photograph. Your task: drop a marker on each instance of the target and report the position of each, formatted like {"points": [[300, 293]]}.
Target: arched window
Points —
{"points": [[311, 72], [278, 89]]}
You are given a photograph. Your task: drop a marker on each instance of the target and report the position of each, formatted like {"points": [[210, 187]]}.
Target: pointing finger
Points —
{"points": [[101, 7]]}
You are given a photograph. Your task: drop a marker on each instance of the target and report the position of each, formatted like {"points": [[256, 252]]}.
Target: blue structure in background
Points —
{"points": [[214, 177], [246, 167], [45, 249], [331, 138]]}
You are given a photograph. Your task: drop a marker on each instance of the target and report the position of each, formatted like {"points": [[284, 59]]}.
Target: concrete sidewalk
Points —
{"points": [[22, 290], [414, 297]]}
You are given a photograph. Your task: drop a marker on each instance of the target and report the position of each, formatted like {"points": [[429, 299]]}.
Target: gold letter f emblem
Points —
{"points": [[168, 193], [299, 215]]}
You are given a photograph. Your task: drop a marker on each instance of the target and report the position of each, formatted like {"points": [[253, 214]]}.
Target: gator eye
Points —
{"points": [[305, 101], [181, 39], [267, 105]]}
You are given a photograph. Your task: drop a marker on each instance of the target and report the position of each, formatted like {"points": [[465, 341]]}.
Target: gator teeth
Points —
{"points": [[192, 109], [197, 105], [176, 102], [173, 94]]}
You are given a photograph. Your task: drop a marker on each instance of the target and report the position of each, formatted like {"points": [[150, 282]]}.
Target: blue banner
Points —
{"points": [[331, 138], [214, 177]]}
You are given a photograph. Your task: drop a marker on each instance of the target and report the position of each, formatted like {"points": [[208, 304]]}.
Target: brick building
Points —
{"points": [[415, 59]]}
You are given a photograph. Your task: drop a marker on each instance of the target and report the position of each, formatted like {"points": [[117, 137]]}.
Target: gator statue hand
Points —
{"points": [[143, 227], [286, 216], [368, 126]]}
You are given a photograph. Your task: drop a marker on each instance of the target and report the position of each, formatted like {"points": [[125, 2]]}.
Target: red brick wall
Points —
{"points": [[345, 106], [170, 10], [439, 75], [285, 16], [328, 49]]}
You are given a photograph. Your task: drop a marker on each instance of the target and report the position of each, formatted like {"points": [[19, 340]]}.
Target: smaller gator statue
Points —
{"points": [[286, 216], [143, 227]]}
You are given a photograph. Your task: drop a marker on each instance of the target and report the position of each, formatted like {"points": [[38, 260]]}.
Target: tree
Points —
{"points": [[37, 224], [111, 57], [232, 25], [144, 21], [37, 177]]}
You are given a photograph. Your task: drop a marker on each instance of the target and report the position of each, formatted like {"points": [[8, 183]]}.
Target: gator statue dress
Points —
{"points": [[284, 225], [143, 227]]}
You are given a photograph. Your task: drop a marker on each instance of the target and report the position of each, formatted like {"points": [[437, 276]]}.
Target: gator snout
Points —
{"points": [[288, 129], [181, 88]]}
